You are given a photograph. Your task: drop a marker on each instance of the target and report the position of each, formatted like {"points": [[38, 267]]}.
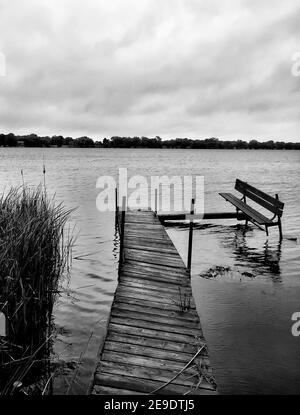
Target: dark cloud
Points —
{"points": [[184, 68]]}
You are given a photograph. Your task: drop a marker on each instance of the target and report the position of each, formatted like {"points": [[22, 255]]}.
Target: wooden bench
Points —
{"points": [[270, 203]]}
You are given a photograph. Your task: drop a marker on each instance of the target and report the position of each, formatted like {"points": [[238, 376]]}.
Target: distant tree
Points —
{"points": [[84, 142], [240, 144], [254, 144], [106, 143], [57, 140]]}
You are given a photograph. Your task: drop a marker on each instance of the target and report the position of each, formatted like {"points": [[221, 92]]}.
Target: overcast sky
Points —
{"points": [[174, 68]]}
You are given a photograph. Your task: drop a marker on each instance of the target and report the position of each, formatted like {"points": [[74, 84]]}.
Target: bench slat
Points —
{"points": [[248, 210], [268, 202], [262, 202]]}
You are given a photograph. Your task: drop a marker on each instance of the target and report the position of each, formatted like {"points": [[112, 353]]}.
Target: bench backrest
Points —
{"points": [[263, 199]]}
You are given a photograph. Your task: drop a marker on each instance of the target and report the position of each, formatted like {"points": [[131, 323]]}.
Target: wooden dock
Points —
{"points": [[154, 342]]}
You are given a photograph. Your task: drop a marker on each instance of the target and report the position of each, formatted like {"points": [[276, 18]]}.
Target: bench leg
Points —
{"points": [[267, 230], [280, 229]]}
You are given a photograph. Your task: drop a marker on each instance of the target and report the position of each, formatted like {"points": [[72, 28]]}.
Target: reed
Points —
{"points": [[35, 253]]}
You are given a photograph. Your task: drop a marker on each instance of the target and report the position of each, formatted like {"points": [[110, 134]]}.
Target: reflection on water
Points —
{"points": [[264, 260], [246, 290]]}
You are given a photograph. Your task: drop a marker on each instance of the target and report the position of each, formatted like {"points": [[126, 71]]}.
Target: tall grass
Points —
{"points": [[35, 252]]}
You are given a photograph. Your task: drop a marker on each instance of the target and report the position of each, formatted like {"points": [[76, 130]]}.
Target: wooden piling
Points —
{"points": [[155, 201], [279, 222], [122, 231], [116, 207], [190, 246]]}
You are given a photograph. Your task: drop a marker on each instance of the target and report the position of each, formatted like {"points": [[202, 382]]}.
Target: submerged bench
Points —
{"points": [[270, 203]]}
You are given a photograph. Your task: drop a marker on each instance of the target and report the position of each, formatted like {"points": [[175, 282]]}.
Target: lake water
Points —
{"points": [[246, 305]]}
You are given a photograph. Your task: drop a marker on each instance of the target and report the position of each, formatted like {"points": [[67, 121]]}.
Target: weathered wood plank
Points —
{"points": [[127, 321], [106, 390], [155, 334], [144, 385], [148, 241], [133, 349], [153, 308], [154, 289], [150, 373], [155, 284], [152, 269], [160, 278], [154, 343], [144, 361], [154, 248], [164, 260], [168, 301], [164, 303], [155, 318], [158, 267], [150, 304]]}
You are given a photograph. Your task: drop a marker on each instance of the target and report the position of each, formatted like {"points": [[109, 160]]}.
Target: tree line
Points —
{"points": [[33, 140]]}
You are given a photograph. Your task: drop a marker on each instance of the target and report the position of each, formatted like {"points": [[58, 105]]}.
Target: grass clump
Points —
{"points": [[35, 252]]}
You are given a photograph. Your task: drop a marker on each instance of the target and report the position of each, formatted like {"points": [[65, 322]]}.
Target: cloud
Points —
{"points": [[172, 68]]}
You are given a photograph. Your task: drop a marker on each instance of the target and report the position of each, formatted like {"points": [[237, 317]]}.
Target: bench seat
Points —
{"points": [[247, 210]]}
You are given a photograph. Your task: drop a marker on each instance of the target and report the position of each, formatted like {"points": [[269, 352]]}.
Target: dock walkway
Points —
{"points": [[154, 342]]}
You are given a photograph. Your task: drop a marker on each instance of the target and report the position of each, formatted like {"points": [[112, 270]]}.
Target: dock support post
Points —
{"points": [[155, 201], [122, 228], [117, 207], [190, 247], [279, 222]]}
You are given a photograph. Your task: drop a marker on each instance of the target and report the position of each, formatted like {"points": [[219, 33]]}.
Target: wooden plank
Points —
{"points": [[241, 186], [248, 210], [144, 385], [154, 343], [158, 266], [135, 322], [154, 248], [166, 301], [141, 240], [261, 201], [106, 390], [158, 258], [152, 284], [150, 373], [184, 316], [144, 361], [145, 352], [133, 349], [158, 295], [126, 282], [140, 300], [152, 308], [144, 226], [155, 278], [155, 318], [155, 268], [144, 373], [154, 334], [149, 304]]}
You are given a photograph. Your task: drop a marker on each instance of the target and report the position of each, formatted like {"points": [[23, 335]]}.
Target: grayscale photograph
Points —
{"points": [[149, 201]]}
